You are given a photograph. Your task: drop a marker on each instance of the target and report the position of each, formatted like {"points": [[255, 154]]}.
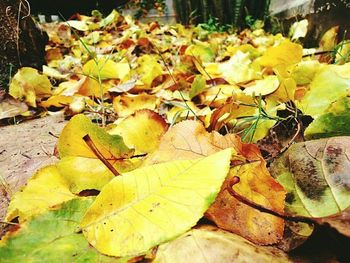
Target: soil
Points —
{"points": [[24, 148]]}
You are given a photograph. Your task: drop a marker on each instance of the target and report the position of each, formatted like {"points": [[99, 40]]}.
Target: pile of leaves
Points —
{"points": [[184, 144]]}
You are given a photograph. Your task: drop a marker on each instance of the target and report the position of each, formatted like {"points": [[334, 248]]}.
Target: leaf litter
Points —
{"points": [[165, 127]]}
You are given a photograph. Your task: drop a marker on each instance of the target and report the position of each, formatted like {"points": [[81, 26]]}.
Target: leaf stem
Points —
{"points": [[235, 180], [99, 155]]}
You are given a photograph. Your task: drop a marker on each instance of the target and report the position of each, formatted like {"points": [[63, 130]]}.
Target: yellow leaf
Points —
{"points": [[58, 101], [78, 25], [263, 87], [148, 69], [285, 53], [105, 68], [29, 85], [154, 204], [329, 39], [44, 190], [85, 173], [141, 131], [126, 105], [71, 141]]}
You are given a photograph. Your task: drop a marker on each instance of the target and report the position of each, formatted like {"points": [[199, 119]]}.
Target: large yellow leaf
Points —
{"points": [[29, 85], [154, 204], [45, 189], [142, 130]]}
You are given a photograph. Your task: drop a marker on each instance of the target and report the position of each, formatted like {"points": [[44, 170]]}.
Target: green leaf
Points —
{"points": [[52, 237], [198, 86], [154, 204], [334, 122], [71, 141], [316, 176], [210, 244], [331, 83]]}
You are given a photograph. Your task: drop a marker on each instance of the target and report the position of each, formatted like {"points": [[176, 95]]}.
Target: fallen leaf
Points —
{"points": [[189, 140], [211, 244], [106, 68], [44, 190], [52, 237], [29, 85], [331, 83], [286, 53], [334, 122], [132, 213], [258, 186], [141, 130], [263, 87], [148, 69], [198, 86], [10, 107], [71, 141], [315, 176], [125, 105]]}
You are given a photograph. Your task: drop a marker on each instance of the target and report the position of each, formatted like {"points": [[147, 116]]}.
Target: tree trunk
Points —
{"points": [[21, 42]]}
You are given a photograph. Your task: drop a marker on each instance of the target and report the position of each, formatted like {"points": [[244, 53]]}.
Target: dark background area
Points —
{"points": [[70, 7]]}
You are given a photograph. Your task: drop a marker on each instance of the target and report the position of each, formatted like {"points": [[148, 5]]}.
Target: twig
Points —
{"points": [[99, 155], [235, 180]]}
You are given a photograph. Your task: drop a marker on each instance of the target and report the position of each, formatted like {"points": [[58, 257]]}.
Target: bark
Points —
{"points": [[22, 43]]}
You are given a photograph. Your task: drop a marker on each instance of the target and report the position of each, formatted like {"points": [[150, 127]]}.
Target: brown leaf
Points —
{"points": [[189, 140], [258, 186]]}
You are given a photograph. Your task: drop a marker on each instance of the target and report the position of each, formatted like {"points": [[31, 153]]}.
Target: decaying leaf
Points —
{"points": [[52, 237], [211, 244], [153, 204], [316, 177], [334, 122], [44, 190], [10, 107], [258, 186]]}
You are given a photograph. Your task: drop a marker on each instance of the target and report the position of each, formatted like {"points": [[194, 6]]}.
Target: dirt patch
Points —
{"points": [[23, 149]]}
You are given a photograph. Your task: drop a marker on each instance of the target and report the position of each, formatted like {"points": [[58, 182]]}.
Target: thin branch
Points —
{"points": [[99, 155], [235, 180]]}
